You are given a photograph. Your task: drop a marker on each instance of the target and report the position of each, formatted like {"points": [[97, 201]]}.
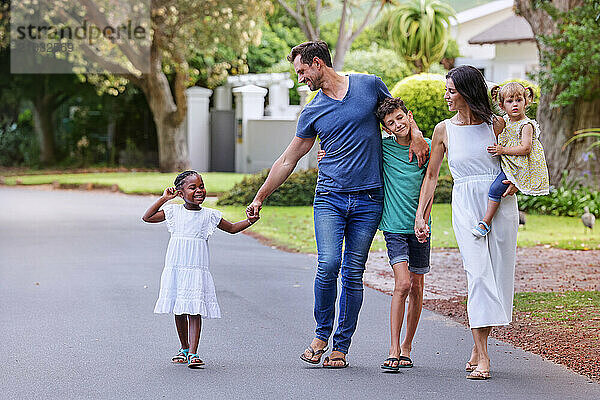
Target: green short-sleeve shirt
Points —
{"points": [[402, 185]]}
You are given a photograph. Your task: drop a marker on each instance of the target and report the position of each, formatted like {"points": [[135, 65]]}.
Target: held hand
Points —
{"points": [[495, 149], [169, 193], [421, 230], [253, 219], [511, 189], [253, 209], [320, 155]]}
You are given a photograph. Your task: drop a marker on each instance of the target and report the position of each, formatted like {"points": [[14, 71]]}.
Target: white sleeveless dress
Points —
{"points": [[489, 261], [186, 285]]}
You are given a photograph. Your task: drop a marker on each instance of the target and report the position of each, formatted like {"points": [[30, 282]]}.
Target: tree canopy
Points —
{"points": [[570, 57]]}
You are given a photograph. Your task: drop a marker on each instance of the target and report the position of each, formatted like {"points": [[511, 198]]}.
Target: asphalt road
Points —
{"points": [[79, 275]]}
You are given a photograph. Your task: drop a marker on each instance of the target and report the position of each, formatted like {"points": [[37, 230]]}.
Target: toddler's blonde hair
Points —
{"points": [[499, 93]]}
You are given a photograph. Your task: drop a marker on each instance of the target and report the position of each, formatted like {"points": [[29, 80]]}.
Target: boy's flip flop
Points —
{"points": [[390, 367], [344, 365], [313, 353], [404, 358]]}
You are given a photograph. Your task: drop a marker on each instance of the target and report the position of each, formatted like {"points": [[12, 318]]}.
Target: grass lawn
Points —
{"points": [[564, 306], [293, 227], [131, 182]]}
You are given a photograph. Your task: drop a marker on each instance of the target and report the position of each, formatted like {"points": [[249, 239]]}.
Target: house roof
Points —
{"points": [[481, 11], [512, 29]]}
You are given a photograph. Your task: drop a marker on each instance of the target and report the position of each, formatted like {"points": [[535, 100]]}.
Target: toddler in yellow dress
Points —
{"points": [[522, 156]]}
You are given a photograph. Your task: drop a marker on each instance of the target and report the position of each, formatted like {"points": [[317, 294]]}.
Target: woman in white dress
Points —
{"points": [[489, 261]]}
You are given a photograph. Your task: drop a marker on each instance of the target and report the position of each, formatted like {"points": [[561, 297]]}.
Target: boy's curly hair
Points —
{"points": [[388, 106]]}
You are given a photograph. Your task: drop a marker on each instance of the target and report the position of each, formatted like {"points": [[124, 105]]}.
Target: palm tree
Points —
{"points": [[419, 31]]}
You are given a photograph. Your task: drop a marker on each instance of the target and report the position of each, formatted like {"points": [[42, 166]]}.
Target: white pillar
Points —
{"points": [[198, 127], [279, 98], [222, 99], [249, 104], [303, 91]]}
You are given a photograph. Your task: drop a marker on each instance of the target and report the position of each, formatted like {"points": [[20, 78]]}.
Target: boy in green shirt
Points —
{"points": [[409, 258]]}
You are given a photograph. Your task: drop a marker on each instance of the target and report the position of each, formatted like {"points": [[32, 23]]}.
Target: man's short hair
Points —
{"points": [[388, 106], [309, 50]]}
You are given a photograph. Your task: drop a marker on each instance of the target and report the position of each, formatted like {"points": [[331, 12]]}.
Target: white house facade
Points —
{"points": [[495, 40]]}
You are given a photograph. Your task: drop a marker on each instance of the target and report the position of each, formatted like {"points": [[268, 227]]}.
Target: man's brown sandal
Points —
{"points": [[327, 359], [313, 353]]}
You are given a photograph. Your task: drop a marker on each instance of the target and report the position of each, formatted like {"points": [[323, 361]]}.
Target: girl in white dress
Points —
{"points": [[489, 262], [186, 285]]}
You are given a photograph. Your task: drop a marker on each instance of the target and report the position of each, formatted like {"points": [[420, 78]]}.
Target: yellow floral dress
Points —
{"points": [[529, 173]]}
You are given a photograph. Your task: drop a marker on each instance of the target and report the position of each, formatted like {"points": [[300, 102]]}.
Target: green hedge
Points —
{"points": [[384, 63], [423, 94], [297, 190], [443, 190]]}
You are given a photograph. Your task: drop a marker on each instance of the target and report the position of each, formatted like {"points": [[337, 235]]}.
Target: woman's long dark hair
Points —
{"points": [[470, 83]]}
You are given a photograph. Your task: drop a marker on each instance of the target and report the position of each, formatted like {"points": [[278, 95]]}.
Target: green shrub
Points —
{"points": [[18, 143], [452, 50], [423, 94], [443, 191], [531, 111], [568, 199], [297, 190], [384, 63]]}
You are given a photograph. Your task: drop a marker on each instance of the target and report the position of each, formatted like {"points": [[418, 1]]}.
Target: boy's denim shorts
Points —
{"points": [[406, 247]]}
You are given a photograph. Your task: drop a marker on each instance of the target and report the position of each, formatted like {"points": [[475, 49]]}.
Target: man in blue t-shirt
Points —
{"points": [[349, 195]]}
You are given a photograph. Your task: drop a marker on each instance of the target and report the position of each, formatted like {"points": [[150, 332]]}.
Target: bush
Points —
{"points": [[18, 143], [443, 191], [297, 190], [423, 94], [384, 63], [568, 199], [531, 111]]}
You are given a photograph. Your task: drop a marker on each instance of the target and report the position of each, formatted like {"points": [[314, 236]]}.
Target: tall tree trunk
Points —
{"points": [[558, 124], [341, 49], [172, 139], [44, 127]]}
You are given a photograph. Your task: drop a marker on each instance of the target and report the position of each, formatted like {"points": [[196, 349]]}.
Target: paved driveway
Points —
{"points": [[79, 275]]}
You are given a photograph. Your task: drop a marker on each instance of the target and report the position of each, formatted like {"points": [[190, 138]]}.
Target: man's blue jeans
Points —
{"points": [[349, 218]]}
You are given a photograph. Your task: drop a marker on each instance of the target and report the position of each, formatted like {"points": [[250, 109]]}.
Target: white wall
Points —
{"points": [[267, 138], [466, 30], [514, 60]]}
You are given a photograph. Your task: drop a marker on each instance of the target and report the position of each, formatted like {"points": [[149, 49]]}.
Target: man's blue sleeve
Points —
{"points": [[305, 129], [382, 90]]}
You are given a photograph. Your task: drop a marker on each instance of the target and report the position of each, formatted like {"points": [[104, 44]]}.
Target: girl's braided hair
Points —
{"points": [[181, 177]]}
